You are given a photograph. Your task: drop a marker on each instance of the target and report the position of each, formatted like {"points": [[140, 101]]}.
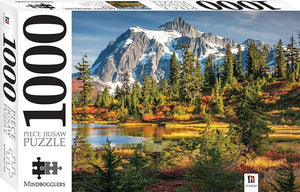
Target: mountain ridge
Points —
{"points": [[147, 52]]}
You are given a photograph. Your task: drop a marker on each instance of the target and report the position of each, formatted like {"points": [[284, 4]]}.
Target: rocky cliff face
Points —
{"points": [[182, 27], [147, 52]]}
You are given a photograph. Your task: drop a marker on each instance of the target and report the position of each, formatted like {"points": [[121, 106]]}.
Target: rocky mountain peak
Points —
{"points": [[258, 43], [142, 51], [181, 26]]}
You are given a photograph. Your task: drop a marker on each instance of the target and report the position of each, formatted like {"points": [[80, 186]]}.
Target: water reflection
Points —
{"points": [[149, 136]]}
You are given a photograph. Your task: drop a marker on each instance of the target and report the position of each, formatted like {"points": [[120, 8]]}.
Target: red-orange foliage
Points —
{"points": [[172, 173], [274, 155], [245, 169], [111, 115]]}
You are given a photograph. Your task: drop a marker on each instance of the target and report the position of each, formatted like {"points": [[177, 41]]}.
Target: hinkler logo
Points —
{"points": [[44, 168], [251, 179], [7, 20], [250, 182]]}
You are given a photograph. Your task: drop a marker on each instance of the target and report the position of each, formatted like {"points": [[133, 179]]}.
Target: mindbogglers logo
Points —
{"points": [[44, 168]]}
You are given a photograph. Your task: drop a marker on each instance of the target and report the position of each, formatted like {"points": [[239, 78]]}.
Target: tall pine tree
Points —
{"points": [[84, 75], [297, 65], [253, 61], [264, 62], [286, 180], [238, 64], [174, 77], [105, 101], [146, 94], [291, 54], [106, 178], [163, 87], [125, 89], [187, 83], [228, 65], [154, 91], [280, 67], [135, 99], [209, 76], [251, 128], [198, 79]]}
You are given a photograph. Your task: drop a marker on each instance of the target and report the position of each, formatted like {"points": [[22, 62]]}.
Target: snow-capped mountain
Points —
{"points": [[141, 51]]}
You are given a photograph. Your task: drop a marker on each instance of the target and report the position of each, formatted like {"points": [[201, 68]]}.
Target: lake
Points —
{"points": [[149, 136]]}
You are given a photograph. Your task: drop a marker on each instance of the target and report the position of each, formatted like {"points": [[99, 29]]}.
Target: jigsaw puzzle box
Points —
{"points": [[150, 95]]}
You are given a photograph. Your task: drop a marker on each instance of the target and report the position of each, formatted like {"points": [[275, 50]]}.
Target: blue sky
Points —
{"points": [[92, 31]]}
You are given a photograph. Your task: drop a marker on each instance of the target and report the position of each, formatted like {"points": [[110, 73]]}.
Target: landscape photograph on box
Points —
{"points": [[185, 101]]}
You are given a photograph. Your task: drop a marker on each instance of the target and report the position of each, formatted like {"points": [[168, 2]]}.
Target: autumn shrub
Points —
{"points": [[274, 154], [175, 173], [179, 110], [148, 117], [184, 117], [112, 115]]}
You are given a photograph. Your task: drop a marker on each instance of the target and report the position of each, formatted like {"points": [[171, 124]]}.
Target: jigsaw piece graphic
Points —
{"points": [[39, 168], [10, 163], [51, 168]]}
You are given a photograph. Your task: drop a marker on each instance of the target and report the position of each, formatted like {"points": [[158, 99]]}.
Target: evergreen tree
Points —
{"points": [[219, 95], [297, 65], [105, 101], [154, 91], [84, 76], [106, 178], [118, 93], [291, 54], [98, 100], [187, 82], [83, 154], [135, 99], [126, 90], [218, 70], [146, 94], [174, 77], [285, 182], [82, 151], [228, 65], [198, 79], [264, 62], [163, 87], [238, 63], [137, 174], [280, 67], [210, 174], [209, 76], [251, 128], [253, 61], [212, 171]]}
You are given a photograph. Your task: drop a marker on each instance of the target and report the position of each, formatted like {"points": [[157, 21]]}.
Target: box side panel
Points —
{"points": [[45, 100], [8, 106]]}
